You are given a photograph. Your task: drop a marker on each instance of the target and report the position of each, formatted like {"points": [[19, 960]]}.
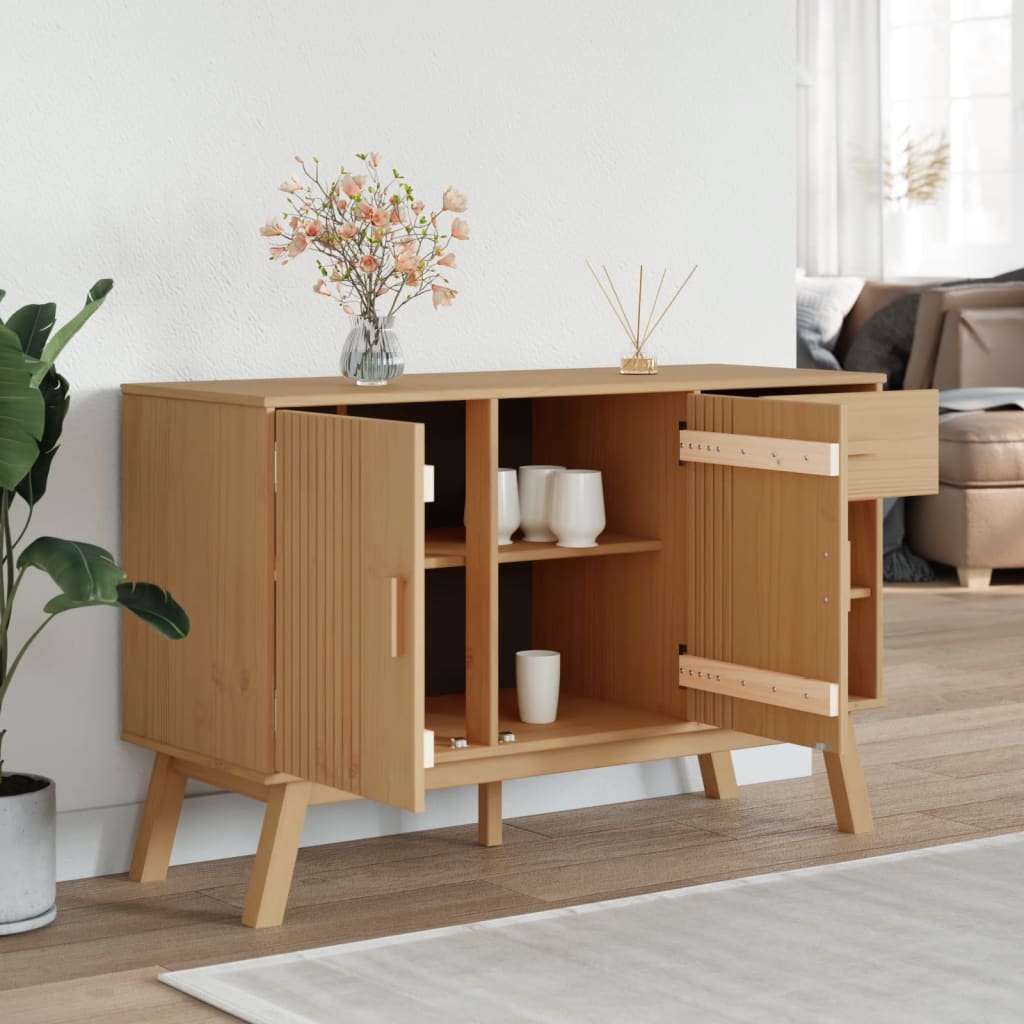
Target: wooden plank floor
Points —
{"points": [[945, 762]]}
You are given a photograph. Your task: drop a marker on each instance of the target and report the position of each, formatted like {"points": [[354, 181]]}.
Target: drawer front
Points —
{"points": [[892, 441]]}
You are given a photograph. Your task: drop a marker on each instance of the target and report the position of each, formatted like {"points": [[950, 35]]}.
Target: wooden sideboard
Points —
{"points": [[735, 599]]}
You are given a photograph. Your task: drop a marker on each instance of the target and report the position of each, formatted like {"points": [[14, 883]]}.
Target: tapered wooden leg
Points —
{"points": [[718, 775], [160, 813], [974, 579], [849, 790], [275, 856], [489, 799]]}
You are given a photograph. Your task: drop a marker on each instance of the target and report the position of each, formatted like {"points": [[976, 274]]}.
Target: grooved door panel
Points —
{"points": [[769, 568], [350, 604]]}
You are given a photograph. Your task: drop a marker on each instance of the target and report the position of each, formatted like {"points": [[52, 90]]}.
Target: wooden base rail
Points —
{"points": [[776, 688]]}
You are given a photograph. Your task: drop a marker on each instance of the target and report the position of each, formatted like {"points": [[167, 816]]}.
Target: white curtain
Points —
{"points": [[839, 138]]}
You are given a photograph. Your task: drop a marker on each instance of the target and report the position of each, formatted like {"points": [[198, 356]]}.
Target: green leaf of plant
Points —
{"points": [[32, 324], [97, 293], [84, 572], [156, 607], [54, 389], [22, 411]]}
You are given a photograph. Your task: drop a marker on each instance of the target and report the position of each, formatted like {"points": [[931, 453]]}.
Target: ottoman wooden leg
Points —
{"points": [[974, 579]]}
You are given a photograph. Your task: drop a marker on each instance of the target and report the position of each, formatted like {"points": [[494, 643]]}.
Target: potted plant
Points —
{"points": [[378, 248], [33, 403]]}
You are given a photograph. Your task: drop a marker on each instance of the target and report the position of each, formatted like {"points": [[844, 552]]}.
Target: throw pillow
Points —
{"points": [[821, 306], [883, 344]]}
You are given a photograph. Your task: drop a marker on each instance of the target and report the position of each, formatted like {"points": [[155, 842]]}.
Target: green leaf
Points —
{"points": [[32, 324], [54, 389], [97, 293], [84, 572], [156, 607], [22, 411]]}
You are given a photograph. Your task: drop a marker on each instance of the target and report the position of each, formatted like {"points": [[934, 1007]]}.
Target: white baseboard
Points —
{"points": [[213, 825]]}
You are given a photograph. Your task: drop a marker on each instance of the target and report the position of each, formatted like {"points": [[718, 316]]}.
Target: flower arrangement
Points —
{"points": [[377, 245]]}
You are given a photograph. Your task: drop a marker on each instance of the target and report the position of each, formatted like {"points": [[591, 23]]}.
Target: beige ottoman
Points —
{"points": [[976, 521]]}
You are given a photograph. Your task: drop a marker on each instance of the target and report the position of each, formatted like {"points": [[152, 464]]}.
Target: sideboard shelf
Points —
{"points": [[445, 548], [581, 721], [735, 601]]}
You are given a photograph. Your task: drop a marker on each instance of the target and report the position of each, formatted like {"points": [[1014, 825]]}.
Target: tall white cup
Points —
{"points": [[534, 491], [537, 676], [577, 507], [508, 505]]}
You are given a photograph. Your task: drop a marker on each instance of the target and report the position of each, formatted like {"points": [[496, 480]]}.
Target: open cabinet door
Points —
{"points": [[766, 651], [350, 588]]}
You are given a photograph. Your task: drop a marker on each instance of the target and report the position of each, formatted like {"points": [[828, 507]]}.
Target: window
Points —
{"points": [[953, 114]]}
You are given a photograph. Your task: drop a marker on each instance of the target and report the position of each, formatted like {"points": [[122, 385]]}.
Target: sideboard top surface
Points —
{"points": [[297, 392]]}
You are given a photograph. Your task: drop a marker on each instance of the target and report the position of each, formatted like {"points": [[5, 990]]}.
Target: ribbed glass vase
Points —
{"points": [[372, 356]]}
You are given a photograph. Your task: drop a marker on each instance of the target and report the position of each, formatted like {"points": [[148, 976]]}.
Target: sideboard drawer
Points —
{"points": [[892, 441]]}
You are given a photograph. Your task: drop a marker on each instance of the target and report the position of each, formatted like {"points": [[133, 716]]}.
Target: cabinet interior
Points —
{"points": [[618, 613]]}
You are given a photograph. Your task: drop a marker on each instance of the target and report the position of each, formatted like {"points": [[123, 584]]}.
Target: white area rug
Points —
{"points": [[932, 935]]}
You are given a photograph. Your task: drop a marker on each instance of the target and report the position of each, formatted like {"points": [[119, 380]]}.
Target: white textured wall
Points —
{"points": [[144, 141]]}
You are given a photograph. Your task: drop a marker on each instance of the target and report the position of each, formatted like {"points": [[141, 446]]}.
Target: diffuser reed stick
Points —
{"points": [[637, 362]]}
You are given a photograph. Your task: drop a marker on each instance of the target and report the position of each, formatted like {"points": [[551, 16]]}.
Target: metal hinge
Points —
{"points": [[682, 426]]}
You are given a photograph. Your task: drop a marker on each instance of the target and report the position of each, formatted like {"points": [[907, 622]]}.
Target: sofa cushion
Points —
{"points": [[982, 449], [821, 306]]}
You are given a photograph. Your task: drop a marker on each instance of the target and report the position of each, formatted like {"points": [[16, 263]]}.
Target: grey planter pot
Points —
{"points": [[28, 853]]}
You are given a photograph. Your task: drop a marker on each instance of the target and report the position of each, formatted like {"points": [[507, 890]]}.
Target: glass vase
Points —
{"points": [[372, 356]]}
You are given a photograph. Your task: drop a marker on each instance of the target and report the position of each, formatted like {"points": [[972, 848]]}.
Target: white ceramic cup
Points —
{"points": [[537, 675], [576, 514], [534, 490], [508, 505]]}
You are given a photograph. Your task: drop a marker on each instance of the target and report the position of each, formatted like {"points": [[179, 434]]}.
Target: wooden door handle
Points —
{"points": [[395, 587]]}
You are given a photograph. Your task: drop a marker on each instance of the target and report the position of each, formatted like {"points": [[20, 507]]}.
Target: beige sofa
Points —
{"points": [[965, 337]]}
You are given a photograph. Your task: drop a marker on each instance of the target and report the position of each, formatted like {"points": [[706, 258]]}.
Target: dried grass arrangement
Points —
{"points": [[917, 173], [636, 361]]}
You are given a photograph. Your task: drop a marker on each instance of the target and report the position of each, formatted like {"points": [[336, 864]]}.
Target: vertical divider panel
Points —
{"points": [[482, 571]]}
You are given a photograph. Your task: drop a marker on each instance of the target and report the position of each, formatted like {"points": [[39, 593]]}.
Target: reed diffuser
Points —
{"points": [[636, 361]]}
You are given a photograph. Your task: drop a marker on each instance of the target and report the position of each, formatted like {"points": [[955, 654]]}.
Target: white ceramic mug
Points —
{"points": [[537, 675], [577, 507], [534, 491], [508, 505]]}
